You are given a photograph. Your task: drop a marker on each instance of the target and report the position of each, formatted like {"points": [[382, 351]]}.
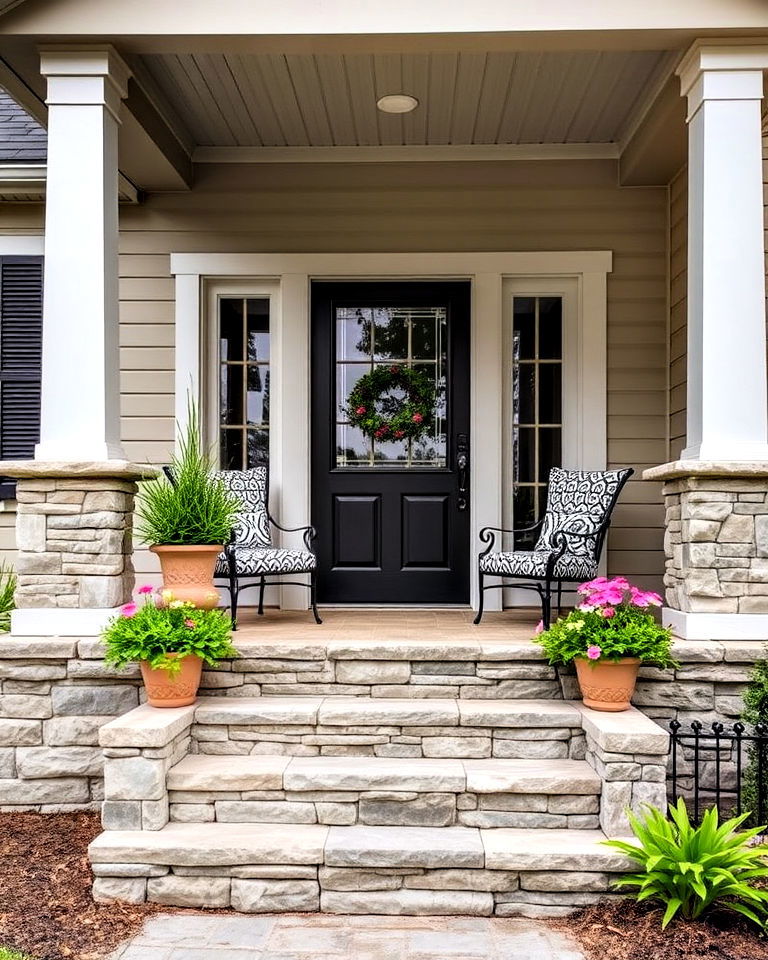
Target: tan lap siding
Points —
{"points": [[418, 207]]}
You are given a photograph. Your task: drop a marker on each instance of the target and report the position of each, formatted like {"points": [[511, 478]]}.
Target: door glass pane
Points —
{"points": [[368, 338], [243, 382], [537, 406]]}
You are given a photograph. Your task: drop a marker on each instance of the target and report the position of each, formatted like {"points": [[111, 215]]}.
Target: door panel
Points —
{"points": [[393, 525]]}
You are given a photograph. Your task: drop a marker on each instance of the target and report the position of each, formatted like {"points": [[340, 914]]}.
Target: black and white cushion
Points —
{"points": [[533, 564], [250, 487], [578, 501], [255, 561]]}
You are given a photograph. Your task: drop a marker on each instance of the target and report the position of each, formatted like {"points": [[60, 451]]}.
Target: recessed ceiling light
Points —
{"points": [[397, 103]]}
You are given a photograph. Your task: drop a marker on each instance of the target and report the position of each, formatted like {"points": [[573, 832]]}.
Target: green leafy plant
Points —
{"points": [[6, 954], [161, 626], [755, 711], [691, 869], [612, 621], [7, 592], [196, 508]]}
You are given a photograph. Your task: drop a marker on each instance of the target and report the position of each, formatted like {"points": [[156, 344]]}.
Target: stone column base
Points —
{"points": [[73, 533], [716, 545]]}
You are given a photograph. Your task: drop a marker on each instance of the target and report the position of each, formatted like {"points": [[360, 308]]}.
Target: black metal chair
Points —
{"points": [[571, 538], [250, 559]]}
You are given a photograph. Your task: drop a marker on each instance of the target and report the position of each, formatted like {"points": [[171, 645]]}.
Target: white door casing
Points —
{"points": [[285, 278]]}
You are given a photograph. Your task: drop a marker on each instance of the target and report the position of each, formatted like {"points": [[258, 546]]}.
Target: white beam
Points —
{"points": [[727, 409], [80, 384]]}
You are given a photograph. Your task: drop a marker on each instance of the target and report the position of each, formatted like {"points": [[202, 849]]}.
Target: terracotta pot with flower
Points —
{"points": [[170, 639], [608, 636]]}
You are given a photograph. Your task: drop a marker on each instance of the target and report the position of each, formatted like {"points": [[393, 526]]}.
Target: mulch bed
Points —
{"points": [[625, 930], [45, 890], [46, 908]]}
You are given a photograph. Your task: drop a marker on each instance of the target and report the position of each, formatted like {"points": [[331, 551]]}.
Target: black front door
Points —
{"points": [[392, 514]]}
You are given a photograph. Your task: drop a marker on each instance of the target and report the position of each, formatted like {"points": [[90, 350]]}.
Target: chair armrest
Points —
{"points": [[309, 534]]}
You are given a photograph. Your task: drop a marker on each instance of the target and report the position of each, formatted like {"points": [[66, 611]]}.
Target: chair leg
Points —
{"points": [[232, 594], [480, 582], [313, 596], [546, 604], [262, 587]]}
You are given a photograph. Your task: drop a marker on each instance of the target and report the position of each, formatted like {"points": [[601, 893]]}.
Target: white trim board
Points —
{"points": [[22, 245], [428, 153], [716, 626], [290, 473]]}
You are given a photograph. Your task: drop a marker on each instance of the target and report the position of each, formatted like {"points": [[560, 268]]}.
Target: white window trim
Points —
{"points": [[290, 400]]}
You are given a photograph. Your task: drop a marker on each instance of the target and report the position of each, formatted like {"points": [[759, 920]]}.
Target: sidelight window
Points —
{"points": [[537, 405], [368, 337], [243, 382]]}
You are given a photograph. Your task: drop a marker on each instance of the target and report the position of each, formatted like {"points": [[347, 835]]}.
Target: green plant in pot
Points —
{"points": [[608, 636], [187, 516], [170, 639]]}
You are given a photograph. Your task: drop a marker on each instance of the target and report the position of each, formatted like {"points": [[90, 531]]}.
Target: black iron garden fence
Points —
{"points": [[725, 766]]}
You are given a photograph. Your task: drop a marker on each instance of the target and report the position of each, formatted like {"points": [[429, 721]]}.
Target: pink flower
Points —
{"points": [[644, 598], [591, 585], [417, 418], [539, 628], [360, 411], [190, 624], [594, 652], [147, 588], [129, 609], [608, 612]]}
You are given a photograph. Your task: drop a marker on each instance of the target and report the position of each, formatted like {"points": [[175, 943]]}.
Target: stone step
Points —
{"points": [[359, 869], [378, 791], [388, 727]]}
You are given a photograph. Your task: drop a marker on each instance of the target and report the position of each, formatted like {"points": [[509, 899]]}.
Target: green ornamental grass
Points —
{"points": [[693, 869], [7, 591], [196, 509]]}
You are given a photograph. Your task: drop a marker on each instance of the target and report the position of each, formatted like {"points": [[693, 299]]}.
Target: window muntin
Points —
{"points": [[244, 376], [367, 337], [537, 406]]}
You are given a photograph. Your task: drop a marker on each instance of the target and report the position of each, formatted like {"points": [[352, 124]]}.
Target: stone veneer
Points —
{"points": [[55, 694], [74, 541], [73, 534], [716, 540]]}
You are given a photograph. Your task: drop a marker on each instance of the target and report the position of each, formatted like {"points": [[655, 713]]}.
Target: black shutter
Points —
{"points": [[21, 343]]}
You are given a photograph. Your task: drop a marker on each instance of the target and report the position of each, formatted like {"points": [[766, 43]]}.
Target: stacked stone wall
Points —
{"points": [[55, 694]]}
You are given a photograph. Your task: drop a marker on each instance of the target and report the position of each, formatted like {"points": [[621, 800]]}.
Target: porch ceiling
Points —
{"points": [[308, 100]]}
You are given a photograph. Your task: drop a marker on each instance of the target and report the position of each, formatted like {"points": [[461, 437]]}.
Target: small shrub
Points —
{"points": [[7, 591], [755, 711], [612, 621], [6, 954], [196, 508], [161, 626], [692, 869]]}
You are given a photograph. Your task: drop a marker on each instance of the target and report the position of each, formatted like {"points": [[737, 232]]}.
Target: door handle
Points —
{"points": [[462, 467]]}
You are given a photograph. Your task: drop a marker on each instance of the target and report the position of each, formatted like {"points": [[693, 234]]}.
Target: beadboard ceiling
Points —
{"points": [[307, 100]]}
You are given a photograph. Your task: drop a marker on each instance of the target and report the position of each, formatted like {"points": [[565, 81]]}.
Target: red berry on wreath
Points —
{"points": [[360, 411], [399, 433], [417, 418], [393, 368]]}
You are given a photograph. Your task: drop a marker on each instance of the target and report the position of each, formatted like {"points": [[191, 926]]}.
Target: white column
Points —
{"points": [[727, 406], [80, 390]]}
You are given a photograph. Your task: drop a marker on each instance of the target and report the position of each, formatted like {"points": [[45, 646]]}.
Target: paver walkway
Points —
{"points": [[317, 937]]}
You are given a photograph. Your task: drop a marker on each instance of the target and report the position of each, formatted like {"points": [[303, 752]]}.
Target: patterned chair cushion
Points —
{"points": [[579, 501], [250, 487], [533, 564], [255, 561]]}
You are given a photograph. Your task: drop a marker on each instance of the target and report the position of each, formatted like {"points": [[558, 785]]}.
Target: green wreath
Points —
{"points": [[387, 418]]}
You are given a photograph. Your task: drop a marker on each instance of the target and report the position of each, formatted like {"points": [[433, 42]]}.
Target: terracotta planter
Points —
{"points": [[607, 685], [164, 690], [188, 573]]}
